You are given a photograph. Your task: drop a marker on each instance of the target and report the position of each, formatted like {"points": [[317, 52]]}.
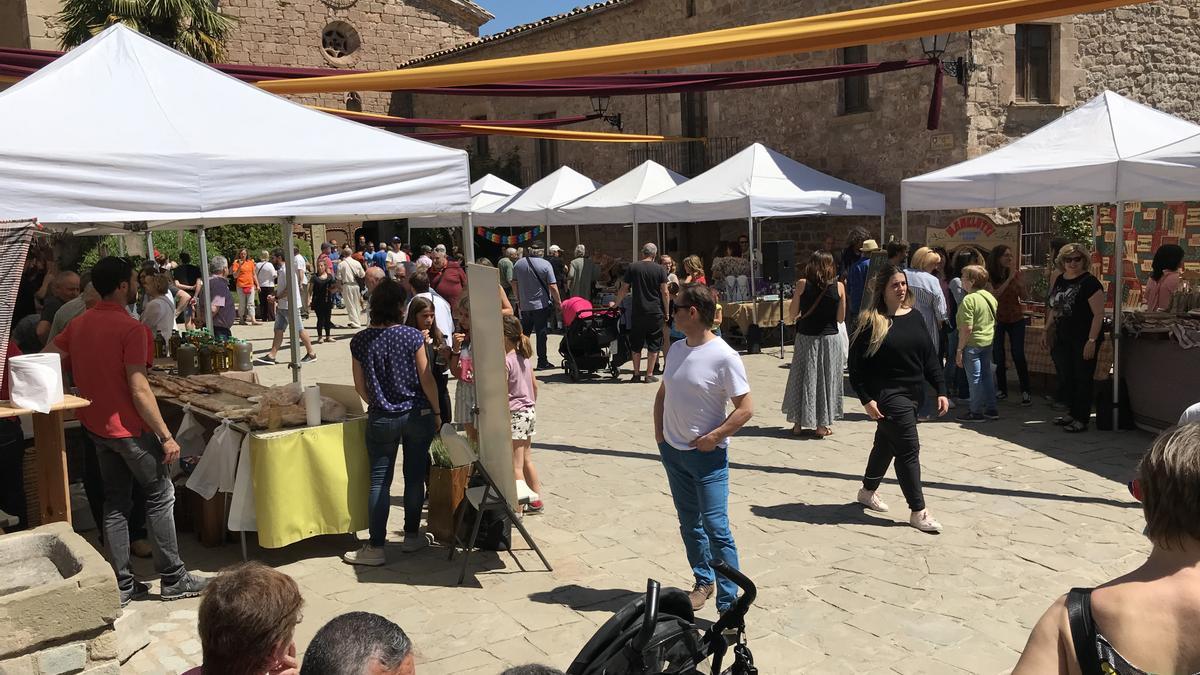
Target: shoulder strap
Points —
{"points": [[1083, 630], [812, 305]]}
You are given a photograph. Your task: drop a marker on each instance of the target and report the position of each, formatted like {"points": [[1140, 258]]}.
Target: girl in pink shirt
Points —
{"points": [[522, 395]]}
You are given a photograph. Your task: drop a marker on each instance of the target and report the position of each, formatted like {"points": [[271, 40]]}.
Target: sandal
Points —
{"points": [[1075, 428], [817, 433], [1065, 420]]}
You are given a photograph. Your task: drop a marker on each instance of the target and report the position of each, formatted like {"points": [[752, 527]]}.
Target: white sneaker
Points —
{"points": [[870, 500], [367, 555], [414, 542], [924, 522]]}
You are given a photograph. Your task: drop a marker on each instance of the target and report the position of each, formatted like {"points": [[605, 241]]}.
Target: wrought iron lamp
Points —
{"points": [[960, 68], [600, 106]]}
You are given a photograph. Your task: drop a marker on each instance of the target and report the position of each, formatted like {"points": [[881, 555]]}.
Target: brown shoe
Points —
{"points": [[700, 595]]}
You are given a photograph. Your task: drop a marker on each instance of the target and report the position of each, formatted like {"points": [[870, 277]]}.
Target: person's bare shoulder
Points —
{"points": [[1047, 650]]}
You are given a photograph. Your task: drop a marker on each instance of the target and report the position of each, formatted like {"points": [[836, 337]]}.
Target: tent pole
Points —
{"points": [[208, 317], [149, 244], [903, 227], [1118, 300], [635, 238], [547, 235], [577, 242], [293, 291], [121, 245], [468, 237], [753, 246]]}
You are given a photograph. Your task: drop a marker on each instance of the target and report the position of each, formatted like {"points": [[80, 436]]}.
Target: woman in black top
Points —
{"points": [[891, 354], [322, 299], [813, 397], [1076, 314]]}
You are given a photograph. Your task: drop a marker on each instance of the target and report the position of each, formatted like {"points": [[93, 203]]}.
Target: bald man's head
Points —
{"points": [[66, 286], [374, 276]]}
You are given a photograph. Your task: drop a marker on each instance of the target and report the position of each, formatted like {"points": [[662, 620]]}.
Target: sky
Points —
{"points": [[511, 13]]}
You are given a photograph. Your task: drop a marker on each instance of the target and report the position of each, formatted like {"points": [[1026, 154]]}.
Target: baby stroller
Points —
{"points": [[659, 633], [594, 342]]}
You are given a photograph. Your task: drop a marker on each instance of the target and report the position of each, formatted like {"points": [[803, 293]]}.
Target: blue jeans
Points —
{"points": [[1016, 336], [700, 488], [385, 432], [537, 321], [977, 361]]}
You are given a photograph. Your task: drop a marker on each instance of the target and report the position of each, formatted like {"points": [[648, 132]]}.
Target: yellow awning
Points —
{"points": [[527, 132], [887, 23]]}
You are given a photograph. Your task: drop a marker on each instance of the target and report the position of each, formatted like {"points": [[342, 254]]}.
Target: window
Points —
{"points": [[1037, 226], [481, 147], [1033, 63], [856, 91], [547, 151], [689, 8], [339, 40]]}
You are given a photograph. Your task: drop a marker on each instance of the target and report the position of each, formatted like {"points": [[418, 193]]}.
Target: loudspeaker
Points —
{"points": [[779, 261]]}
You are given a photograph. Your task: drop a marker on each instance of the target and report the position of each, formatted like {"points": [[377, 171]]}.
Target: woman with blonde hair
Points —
{"points": [[159, 312], [1076, 313], [976, 331], [891, 357], [1148, 616], [693, 268], [813, 396]]}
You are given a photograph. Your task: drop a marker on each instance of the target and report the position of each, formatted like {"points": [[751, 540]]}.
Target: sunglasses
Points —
{"points": [[679, 307], [1074, 259], [1135, 489]]}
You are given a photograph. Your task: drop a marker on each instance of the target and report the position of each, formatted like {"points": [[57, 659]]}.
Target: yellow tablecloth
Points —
{"points": [[310, 481], [741, 314]]}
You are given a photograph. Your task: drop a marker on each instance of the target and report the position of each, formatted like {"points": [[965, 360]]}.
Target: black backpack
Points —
{"points": [[495, 531]]}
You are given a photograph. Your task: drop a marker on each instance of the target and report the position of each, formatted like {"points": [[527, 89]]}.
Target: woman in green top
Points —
{"points": [[976, 329]]}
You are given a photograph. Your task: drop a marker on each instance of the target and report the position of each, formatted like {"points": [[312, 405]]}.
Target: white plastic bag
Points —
{"points": [[241, 506], [218, 464], [189, 435]]}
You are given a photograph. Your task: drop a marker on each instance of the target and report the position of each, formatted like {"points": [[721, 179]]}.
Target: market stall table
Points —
{"points": [[51, 455]]}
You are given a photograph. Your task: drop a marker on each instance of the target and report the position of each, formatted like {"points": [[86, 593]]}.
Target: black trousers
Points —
{"points": [[324, 319], [896, 439], [1075, 377], [265, 309], [12, 473]]}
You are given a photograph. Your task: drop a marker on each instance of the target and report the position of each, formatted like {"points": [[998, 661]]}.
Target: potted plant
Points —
{"points": [[447, 488]]}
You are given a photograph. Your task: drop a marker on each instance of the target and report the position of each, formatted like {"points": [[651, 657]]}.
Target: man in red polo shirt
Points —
{"points": [[108, 353]]}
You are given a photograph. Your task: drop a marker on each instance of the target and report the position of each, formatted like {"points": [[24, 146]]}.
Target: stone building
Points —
{"points": [[870, 131]]}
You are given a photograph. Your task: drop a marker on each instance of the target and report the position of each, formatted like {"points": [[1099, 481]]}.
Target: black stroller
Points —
{"points": [[660, 634], [594, 342]]}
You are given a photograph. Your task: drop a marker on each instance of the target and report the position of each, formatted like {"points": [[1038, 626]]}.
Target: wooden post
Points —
{"points": [[51, 448]]}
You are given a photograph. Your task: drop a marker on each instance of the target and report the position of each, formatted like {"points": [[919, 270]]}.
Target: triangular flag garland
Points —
{"points": [[509, 240]]}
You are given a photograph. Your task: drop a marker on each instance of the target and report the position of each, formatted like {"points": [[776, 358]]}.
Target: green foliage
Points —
{"points": [[1075, 223], [195, 27], [506, 166], [441, 457], [224, 240]]}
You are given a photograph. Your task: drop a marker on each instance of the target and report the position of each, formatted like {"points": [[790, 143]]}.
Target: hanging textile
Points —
{"points": [[14, 245], [378, 120], [509, 239], [885, 23]]}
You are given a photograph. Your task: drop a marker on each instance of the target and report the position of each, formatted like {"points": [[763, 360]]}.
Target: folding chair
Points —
{"points": [[486, 497]]}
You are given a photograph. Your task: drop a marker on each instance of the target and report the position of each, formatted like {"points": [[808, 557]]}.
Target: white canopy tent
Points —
{"points": [[536, 204], [488, 191], [1085, 157], [615, 202], [126, 130], [1170, 173], [759, 182]]}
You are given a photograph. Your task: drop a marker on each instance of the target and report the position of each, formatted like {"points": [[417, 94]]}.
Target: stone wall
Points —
{"points": [[390, 32], [30, 24]]}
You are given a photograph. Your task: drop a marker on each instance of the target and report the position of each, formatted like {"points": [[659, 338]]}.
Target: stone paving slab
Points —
{"points": [[1028, 511]]}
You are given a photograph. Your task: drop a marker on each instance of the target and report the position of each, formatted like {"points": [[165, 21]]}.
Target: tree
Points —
{"points": [[1074, 223], [194, 27]]}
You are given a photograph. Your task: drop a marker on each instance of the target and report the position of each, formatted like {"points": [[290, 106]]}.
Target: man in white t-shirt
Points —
{"points": [[395, 256], [691, 426], [302, 277], [285, 294]]}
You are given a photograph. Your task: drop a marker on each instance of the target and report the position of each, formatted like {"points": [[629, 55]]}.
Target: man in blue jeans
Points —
{"points": [[692, 429]]}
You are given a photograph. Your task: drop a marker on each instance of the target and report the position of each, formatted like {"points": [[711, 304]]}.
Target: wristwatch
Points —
{"points": [[164, 439]]}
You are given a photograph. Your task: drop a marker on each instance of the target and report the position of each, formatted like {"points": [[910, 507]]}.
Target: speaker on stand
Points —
{"points": [[779, 266]]}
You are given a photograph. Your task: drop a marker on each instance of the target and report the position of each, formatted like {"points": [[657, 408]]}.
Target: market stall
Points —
{"points": [[160, 149], [1084, 157]]}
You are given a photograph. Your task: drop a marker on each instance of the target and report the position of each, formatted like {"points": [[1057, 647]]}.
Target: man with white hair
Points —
{"points": [[582, 275], [223, 314], [647, 281], [506, 273], [536, 289]]}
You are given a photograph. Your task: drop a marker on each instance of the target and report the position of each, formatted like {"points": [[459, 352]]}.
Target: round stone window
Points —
{"points": [[339, 40]]}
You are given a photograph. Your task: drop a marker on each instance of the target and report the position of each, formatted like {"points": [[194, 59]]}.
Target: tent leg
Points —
{"points": [[208, 317], [634, 256], [468, 237], [1118, 300], [149, 245], [121, 245], [753, 247], [577, 242], [547, 238], [293, 291], [903, 227]]}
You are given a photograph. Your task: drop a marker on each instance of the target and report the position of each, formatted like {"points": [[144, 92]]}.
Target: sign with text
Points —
{"points": [[977, 230]]}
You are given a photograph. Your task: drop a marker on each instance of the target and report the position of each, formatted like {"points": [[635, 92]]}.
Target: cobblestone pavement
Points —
{"points": [[1028, 511]]}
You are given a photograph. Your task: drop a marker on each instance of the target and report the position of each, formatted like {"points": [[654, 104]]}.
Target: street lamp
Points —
{"points": [[934, 47], [600, 106]]}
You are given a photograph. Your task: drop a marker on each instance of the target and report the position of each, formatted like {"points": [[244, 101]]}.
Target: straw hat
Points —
{"points": [[870, 246]]}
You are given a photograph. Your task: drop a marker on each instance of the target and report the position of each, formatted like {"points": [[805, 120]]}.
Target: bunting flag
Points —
{"points": [[883, 23], [512, 239]]}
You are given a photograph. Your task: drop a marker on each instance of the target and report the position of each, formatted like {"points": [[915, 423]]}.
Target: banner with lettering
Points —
{"points": [[977, 230], [509, 239]]}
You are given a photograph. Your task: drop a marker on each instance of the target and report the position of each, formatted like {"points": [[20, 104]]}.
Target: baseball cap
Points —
{"points": [[555, 247]]}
